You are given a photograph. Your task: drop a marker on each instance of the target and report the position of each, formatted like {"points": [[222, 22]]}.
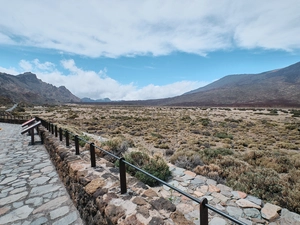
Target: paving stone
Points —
{"points": [[40, 190], [59, 212], [13, 198], [239, 194], [70, 218], [39, 180], [18, 214], [51, 204], [9, 179], [290, 216], [41, 220]]}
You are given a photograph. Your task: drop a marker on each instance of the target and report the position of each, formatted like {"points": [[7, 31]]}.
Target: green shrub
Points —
{"points": [[214, 153], [223, 135], [155, 166]]}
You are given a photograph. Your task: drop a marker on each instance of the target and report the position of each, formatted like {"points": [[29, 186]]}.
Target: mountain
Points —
{"points": [[97, 100], [279, 87], [28, 88]]}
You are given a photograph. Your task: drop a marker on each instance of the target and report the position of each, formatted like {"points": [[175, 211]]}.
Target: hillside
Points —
{"points": [[28, 88], [273, 88]]}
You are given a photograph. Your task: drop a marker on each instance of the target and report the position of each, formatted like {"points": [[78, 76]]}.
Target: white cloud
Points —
{"points": [[117, 28], [97, 85]]}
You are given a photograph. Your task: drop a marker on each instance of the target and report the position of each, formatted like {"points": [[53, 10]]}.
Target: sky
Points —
{"points": [[136, 50]]}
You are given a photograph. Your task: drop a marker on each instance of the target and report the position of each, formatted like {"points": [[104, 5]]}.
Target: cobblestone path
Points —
{"points": [[30, 189]]}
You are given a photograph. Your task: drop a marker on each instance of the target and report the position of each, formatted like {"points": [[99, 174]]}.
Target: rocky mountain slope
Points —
{"points": [[28, 88], [273, 88]]}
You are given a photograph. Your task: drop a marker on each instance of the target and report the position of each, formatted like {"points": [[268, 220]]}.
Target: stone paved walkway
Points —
{"points": [[31, 192]]}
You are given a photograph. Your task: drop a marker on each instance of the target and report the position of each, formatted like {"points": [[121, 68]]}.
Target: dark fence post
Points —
{"points": [[60, 134], [32, 136], [52, 128], [55, 131], [203, 212], [67, 138], [122, 168], [76, 145], [92, 153]]}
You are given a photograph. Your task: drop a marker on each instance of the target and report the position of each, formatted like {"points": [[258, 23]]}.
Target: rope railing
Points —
{"points": [[203, 203]]}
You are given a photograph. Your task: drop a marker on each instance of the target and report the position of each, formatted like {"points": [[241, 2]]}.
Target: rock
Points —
{"points": [[255, 200], [211, 182], [178, 218], [198, 193], [91, 187], [248, 222], [190, 173], [213, 188], [217, 221], [219, 196], [290, 217], [162, 203], [139, 201], [131, 220], [150, 193], [204, 189], [114, 213], [252, 212], [270, 211], [143, 210], [234, 211], [223, 187], [239, 194], [244, 203], [156, 221]]}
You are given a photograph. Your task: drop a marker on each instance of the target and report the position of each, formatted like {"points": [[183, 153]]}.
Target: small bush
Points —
{"points": [[155, 166], [223, 135]]}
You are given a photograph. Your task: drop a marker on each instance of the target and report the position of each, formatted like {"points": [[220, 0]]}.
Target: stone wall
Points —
{"points": [[96, 194], [96, 191]]}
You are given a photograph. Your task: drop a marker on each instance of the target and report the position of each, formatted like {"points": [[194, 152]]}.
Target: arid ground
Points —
{"points": [[251, 150]]}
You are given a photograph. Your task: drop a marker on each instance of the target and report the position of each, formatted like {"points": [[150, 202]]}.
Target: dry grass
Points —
{"points": [[253, 150]]}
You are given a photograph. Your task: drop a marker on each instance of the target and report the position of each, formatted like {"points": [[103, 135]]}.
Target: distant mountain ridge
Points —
{"points": [[280, 87], [97, 100], [28, 88]]}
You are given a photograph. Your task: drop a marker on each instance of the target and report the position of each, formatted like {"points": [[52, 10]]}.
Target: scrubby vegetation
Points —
{"points": [[252, 150]]}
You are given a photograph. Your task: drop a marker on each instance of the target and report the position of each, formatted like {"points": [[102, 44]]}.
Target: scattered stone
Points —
{"points": [[139, 201]]}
